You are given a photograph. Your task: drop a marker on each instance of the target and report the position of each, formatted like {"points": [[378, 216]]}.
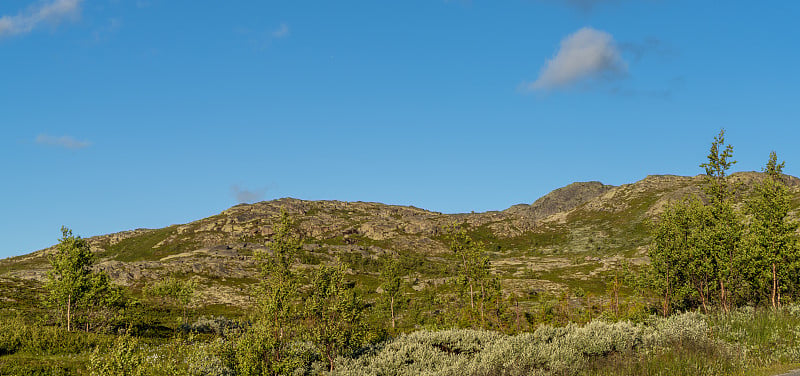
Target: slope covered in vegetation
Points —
{"points": [[571, 284]]}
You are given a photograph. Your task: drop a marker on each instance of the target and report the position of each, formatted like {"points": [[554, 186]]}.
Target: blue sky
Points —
{"points": [[120, 114]]}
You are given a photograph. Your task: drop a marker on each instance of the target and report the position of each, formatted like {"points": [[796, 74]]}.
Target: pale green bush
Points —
{"points": [[548, 350], [205, 359], [218, 325], [421, 353], [681, 329], [125, 357]]}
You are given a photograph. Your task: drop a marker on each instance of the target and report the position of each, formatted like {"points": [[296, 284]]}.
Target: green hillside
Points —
{"points": [[576, 236]]}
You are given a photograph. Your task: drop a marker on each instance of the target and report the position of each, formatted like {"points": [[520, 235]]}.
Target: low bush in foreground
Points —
{"points": [[548, 350], [683, 344]]}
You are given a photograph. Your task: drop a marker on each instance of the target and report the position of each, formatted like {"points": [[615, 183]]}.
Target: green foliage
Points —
{"points": [[548, 350], [473, 271], [716, 255], [258, 351], [334, 314], [103, 302], [311, 318], [172, 291], [143, 246], [72, 285], [719, 240], [267, 346], [391, 285], [773, 266], [123, 358], [719, 162], [18, 335], [38, 366], [207, 359], [768, 336], [214, 325], [70, 276], [679, 270]]}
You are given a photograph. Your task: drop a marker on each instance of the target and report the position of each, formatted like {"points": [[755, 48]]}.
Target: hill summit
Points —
{"points": [[573, 236]]}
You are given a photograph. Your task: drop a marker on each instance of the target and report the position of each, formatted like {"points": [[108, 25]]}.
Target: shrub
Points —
{"points": [[220, 326], [16, 335], [546, 351], [123, 358], [208, 359]]}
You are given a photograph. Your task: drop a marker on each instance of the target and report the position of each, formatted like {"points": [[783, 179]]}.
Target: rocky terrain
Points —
{"points": [[572, 237]]}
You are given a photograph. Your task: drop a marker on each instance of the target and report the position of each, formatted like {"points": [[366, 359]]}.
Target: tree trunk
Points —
{"points": [[666, 297], [774, 287], [705, 291], [703, 298], [69, 307], [329, 354], [723, 299], [615, 286], [471, 300], [392, 306], [483, 298]]}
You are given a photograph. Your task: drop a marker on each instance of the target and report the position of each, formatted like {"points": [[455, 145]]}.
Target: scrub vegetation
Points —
{"points": [[718, 294]]}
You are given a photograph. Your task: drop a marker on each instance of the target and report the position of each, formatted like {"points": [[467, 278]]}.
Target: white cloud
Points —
{"points": [[247, 196], [586, 5], [103, 33], [281, 32], [51, 12], [583, 55], [63, 141]]}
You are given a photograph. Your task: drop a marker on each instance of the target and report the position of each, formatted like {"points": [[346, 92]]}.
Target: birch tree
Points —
{"points": [[474, 267], [771, 235], [721, 238], [70, 276], [392, 285], [265, 349]]}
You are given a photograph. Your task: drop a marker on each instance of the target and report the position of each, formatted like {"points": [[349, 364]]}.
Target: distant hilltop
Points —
{"points": [[573, 233]]}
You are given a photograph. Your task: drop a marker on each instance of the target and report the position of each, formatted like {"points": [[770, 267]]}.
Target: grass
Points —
{"points": [[769, 337], [675, 361], [766, 338], [772, 370], [16, 294], [140, 248], [50, 365], [747, 341]]}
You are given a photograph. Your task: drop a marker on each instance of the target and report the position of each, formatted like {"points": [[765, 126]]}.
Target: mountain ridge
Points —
{"points": [[570, 237]]}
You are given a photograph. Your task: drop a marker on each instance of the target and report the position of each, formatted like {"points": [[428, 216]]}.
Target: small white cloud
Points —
{"points": [[103, 33], [247, 196], [586, 5], [650, 46], [585, 54], [52, 12], [281, 32], [63, 141]]}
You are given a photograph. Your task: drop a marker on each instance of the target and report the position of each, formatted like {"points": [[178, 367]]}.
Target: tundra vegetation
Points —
{"points": [[719, 296]]}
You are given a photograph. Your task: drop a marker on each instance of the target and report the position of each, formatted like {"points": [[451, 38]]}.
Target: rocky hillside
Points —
{"points": [[572, 237]]}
